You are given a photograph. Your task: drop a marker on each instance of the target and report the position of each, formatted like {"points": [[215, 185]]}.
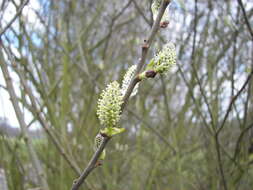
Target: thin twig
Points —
{"points": [[91, 165], [37, 112], [163, 139], [237, 147], [40, 175], [217, 145], [203, 94], [233, 101], [145, 48], [166, 102], [141, 13], [246, 18], [14, 18], [194, 100]]}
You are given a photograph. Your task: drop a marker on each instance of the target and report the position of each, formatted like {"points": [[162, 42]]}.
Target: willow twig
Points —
{"points": [[92, 164]]}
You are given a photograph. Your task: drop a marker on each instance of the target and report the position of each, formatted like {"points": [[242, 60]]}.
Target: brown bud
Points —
{"points": [[150, 74], [145, 45], [103, 135], [164, 24]]}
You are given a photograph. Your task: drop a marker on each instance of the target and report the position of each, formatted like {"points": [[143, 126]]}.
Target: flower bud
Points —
{"points": [[127, 79], [155, 10], [97, 142]]}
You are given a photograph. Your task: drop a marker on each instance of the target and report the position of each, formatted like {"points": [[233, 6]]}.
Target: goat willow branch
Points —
{"points": [[145, 47]]}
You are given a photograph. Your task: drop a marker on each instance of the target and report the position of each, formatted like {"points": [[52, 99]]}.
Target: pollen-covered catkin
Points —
{"points": [[109, 105], [165, 59], [155, 10]]}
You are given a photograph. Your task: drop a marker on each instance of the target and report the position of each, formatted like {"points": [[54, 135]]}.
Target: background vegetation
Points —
{"points": [[190, 129]]}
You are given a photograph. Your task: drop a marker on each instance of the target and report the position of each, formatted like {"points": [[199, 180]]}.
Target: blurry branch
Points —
{"points": [[85, 117], [15, 154], [37, 112], [153, 130], [111, 27], [246, 18], [103, 40], [40, 175], [92, 164], [233, 101], [190, 84], [141, 13], [14, 18], [234, 54], [166, 102], [249, 87], [194, 99], [229, 109], [220, 163], [193, 64], [237, 147], [203, 94], [3, 4], [88, 28], [3, 87], [45, 126], [246, 106], [84, 67]]}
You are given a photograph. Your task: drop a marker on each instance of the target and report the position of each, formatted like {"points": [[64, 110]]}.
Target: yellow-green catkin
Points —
{"points": [[165, 59], [109, 105]]}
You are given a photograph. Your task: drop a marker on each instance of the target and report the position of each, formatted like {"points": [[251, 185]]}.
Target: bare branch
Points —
{"points": [[14, 18], [246, 18], [41, 177], [91, 165], [233, 101]]}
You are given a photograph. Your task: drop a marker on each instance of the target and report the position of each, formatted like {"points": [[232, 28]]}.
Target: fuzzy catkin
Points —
{"points": [[109, 105], [165, 59], [127, 79]]}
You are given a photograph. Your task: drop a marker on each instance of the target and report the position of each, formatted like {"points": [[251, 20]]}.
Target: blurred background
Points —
{"points": [[191, 128]]}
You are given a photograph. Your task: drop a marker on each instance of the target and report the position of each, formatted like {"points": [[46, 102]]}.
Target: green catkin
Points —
{"points": [[109, 105], [165, 59]]}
